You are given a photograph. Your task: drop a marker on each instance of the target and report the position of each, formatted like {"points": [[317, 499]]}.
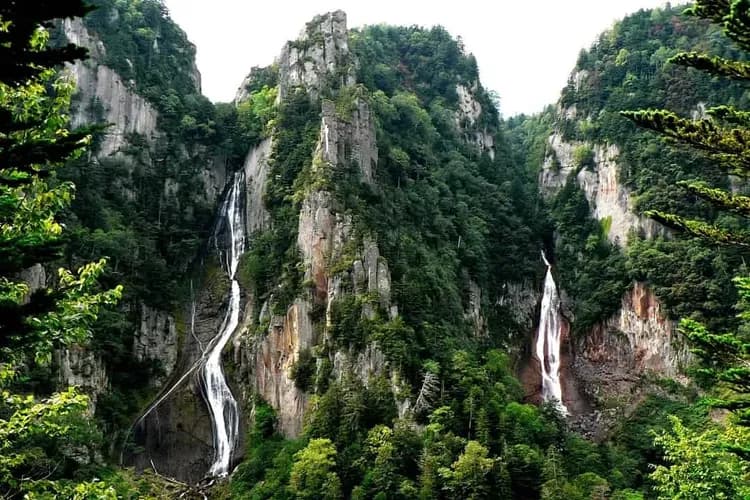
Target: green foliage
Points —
{"points": [[35, 142], [702, 464], [583, 157], [48, 446], [145, 46], [256, 115], [471, 475], [627, 68], [725, 357], [42, 441], [429, 61], [591, 270], [272, 260], [303, 371], [690, 277], [351, 327], [438, 214], [313, 473]]}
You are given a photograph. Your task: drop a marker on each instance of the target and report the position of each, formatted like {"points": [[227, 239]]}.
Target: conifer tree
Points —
{"points": [[724, 136], [34, 141], [43, 443]]}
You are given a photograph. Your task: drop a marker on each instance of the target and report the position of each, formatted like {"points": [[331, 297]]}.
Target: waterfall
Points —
{"points": [[548, 342], [221, 402]]}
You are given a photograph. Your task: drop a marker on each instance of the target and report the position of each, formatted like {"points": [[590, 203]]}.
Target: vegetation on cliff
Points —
{"points": [[453, 208]]}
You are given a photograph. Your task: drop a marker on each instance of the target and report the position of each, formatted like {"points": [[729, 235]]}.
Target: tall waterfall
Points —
{"points": [[548, 342], [221, 402]]}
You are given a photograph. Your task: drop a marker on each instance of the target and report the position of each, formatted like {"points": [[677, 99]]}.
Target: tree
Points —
{"points": [[34, 140], [706, 465], [43, 444], [472, 475], [723, 135], [22, 59], [701, 464], [313, 473]]}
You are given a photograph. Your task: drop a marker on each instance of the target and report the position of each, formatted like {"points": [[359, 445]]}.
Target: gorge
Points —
{"points": [[333, 285]]}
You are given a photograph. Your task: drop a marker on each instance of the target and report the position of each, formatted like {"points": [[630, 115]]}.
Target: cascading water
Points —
{"points": [[548, 342], [221, 402]]}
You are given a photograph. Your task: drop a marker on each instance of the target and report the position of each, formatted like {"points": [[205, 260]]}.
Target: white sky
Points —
{"points": [[525, 49]]}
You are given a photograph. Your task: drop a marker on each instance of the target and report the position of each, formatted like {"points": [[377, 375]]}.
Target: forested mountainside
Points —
{"points": [[358, 281]]}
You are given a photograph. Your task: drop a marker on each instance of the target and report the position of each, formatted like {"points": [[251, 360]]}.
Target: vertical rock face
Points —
{"points": [[105, 97], [474, 310], [174, 435], [274, 357], [156, 339], [350, 138], [35, 277], [617, 359], [609, 362], [608, 198], [102, 96], [521, 300], [467, 117], [81, 368], [314, 238], [318, 58], [637, 340], [256, 174]]}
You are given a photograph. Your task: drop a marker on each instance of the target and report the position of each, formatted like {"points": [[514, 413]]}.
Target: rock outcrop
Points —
{"points": [[336, 261], [81, 368], [473, 312], [319, 58], [256, 174], [611, 202], [104, 97], [349, 138], [521, 300], [274, 357], [176, 436], [467, 120], [156, 340], [637, 341], [35, 278]]}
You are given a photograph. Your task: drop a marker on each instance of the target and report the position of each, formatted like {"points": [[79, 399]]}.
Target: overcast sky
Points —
{"points": [[525, 49]]}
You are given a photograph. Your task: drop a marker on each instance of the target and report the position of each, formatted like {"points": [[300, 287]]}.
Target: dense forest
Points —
{"points": [[366, 229]]}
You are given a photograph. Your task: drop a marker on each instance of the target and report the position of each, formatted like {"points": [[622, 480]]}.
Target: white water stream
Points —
{"points": [[221, 402], [548, 342]]}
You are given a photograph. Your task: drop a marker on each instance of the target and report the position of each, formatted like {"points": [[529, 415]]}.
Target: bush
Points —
{"points": [[304, 370]]}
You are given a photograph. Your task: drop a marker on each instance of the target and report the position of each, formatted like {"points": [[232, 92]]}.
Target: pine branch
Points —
{"points": [[700, 229], [718, 197], [714, 10], [714, 65], [732, 15], [730, 146], [730, 115]]}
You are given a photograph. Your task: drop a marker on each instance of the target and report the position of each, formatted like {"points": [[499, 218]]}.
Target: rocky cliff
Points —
{"points": [[103, 97], [148, 186], [594, 168], [318, 60], [614, 361], [621, 360]]}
